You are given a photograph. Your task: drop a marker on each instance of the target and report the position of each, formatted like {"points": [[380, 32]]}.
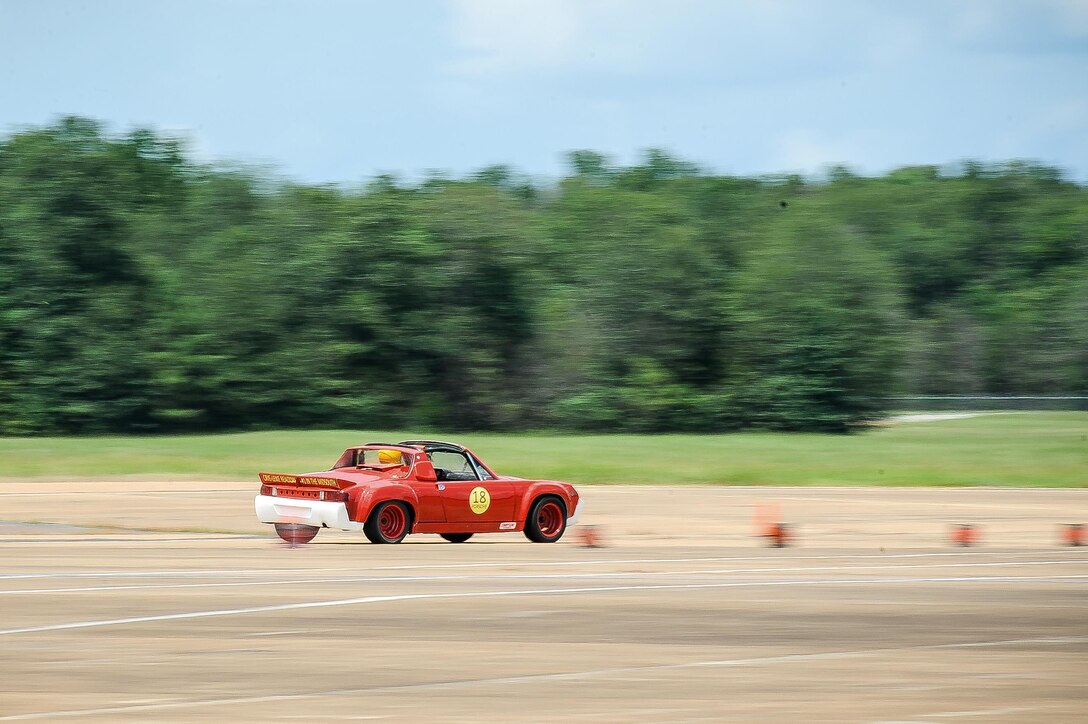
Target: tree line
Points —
{"points": [[142, 291]]}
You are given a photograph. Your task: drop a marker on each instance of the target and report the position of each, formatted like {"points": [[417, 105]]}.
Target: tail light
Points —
{"points": [[338, 496]]}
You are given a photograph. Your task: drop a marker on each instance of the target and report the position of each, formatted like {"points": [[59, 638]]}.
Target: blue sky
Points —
{"points": [[338, 91]]}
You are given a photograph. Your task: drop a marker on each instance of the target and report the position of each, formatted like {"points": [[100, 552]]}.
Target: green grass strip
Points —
{"points": [[1023, 449]]}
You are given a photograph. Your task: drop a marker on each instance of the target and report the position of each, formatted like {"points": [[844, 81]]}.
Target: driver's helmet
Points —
{"points": [[390, 457]]}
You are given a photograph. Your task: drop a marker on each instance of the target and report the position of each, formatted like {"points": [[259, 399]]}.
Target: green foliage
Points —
{"points": [[142, 292]]}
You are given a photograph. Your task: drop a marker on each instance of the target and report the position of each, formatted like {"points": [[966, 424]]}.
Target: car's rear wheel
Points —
{"points": [[547, 520], [456, 537], [296, 533], [388, 523]]}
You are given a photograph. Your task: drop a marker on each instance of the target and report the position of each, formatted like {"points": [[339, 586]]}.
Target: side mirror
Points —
{"points": [[425, 472]]}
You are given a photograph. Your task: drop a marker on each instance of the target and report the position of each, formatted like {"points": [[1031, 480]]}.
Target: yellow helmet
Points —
{"points": [[390, 457]]}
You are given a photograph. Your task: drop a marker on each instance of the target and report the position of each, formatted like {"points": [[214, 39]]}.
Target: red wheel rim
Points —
{"points": [[392, 521], [549, 519]]}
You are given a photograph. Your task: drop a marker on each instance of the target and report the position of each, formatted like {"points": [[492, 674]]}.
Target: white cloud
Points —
{"points": [[806, 150], [728, 40], [512, 35]]}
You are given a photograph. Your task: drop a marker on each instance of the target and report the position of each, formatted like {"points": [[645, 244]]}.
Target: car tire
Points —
{"points": [[547, 520], [456, 537], [295, 533], [388, 523]]}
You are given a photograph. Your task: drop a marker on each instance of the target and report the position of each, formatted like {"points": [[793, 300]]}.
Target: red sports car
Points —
{"points": [[415, 486]]}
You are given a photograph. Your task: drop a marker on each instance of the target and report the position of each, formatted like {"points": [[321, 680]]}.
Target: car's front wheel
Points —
{"points": [[388, 523], [456, 537], [296, 533], [547, 520]]}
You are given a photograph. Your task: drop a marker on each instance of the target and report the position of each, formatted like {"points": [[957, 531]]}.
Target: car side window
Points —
{"points": [[452, 466]]}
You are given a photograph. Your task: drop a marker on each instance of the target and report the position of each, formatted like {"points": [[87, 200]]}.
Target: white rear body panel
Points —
{"points": [[320, 513]]}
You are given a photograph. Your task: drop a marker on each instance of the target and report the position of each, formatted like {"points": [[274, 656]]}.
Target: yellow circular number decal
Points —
{"points": [[479, 500]]}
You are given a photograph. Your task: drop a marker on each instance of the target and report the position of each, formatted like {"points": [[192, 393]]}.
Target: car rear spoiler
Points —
{"points": [[282, 479]]}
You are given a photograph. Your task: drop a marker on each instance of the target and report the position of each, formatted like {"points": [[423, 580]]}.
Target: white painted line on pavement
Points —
{"points": [[629, 575], [532, 592], [981, 712], [533, 678], [159, 573]]}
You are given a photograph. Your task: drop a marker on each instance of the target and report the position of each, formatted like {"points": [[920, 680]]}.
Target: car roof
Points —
{"points": [[427, 445], [431, 445]]}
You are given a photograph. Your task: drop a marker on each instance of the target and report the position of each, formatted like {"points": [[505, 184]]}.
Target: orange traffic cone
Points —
{"points": [[589, 536], [778, 535], [964, 535], [767, 523], [1074, 534]]}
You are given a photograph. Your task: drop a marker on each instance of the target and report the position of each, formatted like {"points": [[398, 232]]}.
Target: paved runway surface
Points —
{"points": [[133, 601]]}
